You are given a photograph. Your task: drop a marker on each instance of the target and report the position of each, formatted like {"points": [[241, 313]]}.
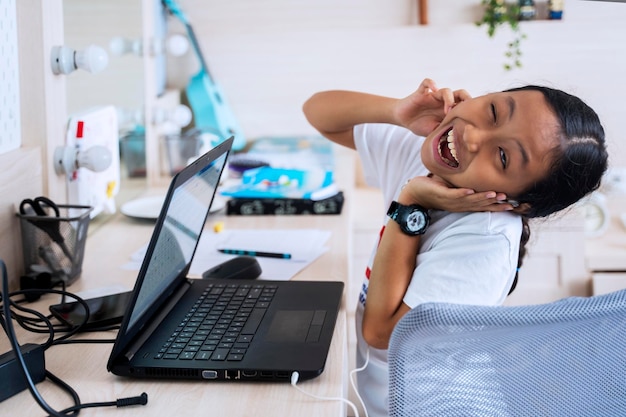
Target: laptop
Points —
{"points": [[217, 329]]}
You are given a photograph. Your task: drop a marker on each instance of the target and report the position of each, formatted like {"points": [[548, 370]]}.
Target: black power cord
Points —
{"points": [[7, 324], [42, 324]]}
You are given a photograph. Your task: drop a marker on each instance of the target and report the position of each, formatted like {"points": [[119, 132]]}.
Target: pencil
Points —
{"points": [[256, 253]]}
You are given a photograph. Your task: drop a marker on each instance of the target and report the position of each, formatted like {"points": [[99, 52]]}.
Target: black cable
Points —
{"points": [[22, 322], [93, 341], [43, 324], [6, 321], [65, 386], [120, 402], [8, 325], [28, 322], [103, 328]]}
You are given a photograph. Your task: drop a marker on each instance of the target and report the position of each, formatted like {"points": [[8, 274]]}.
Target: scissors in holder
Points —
{"points": [[43, 207]]}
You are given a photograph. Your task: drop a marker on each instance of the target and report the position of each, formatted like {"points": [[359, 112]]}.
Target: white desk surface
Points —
{"points": [[83, 366]]}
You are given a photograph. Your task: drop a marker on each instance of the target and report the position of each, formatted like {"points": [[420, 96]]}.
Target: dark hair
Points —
{"points": [[578, 163]]}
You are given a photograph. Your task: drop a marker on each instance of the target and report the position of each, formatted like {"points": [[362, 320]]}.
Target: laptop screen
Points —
{"points": [[176, 241]]}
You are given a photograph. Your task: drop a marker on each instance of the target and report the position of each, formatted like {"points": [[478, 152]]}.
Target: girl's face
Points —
{"points": [[498, 142]]}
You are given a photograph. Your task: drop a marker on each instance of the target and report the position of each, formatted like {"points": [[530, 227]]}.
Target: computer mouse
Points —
{"points": [[241, 267]]}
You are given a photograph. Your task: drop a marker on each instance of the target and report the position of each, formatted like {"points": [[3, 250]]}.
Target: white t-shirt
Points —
{"points": [[465, 258]]}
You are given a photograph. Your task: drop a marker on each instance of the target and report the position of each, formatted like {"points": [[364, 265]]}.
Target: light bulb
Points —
{"points": [[92, 59], [121, 46], [129, 116], [67, 159], [179, 115], [97, 158], [177, 45], [64, 60]]}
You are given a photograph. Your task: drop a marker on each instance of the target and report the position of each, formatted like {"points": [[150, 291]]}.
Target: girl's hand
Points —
{"points": [[435, 193], [422, 111]]}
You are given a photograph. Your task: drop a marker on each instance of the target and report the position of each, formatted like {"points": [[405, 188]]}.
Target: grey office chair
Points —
{"points": [[566, 358]]}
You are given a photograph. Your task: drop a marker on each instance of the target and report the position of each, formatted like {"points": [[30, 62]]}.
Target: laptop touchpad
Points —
{"points": [[294, 325]]}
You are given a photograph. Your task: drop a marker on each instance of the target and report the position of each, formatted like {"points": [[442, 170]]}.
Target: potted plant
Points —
{"points": [[497, 13]]}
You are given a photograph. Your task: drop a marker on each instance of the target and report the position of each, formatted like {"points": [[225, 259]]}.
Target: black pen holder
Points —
{"points": [[55, 244]]}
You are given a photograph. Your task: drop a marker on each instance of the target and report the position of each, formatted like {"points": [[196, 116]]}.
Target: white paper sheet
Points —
{"points": [[304, 245]]}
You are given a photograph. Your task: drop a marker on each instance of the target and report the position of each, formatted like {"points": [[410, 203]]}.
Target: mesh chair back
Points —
{"points": [[566, 358]]}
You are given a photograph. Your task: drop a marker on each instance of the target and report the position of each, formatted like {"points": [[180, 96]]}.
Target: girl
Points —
{"points": [[460, 176]]}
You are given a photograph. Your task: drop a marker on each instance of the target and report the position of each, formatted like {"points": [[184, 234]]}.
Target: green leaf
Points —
{"points": [[497, 13]]}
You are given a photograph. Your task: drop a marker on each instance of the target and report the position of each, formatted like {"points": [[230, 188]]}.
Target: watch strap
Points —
{"points": [[395, 210]]}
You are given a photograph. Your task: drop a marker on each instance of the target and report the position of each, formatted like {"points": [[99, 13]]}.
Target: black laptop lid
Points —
{"points": [[174, 240]]}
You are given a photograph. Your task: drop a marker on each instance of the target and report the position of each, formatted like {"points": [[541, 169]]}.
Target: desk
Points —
{"points": [[83, 366]]}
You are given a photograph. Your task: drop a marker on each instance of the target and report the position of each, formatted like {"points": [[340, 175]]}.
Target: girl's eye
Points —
{"points": [[503, 158], [493, 113]]}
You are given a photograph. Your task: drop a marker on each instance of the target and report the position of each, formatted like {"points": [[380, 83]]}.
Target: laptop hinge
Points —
{"points": [[153, 324]]}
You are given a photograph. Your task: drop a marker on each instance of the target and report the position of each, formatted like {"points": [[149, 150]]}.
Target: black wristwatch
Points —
{"points": [[413, 219]]}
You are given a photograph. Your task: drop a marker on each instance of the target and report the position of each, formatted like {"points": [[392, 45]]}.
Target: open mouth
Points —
{"points": [[447, 150]]}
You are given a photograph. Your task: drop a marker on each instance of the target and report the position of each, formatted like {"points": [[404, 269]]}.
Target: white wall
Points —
{"points": [[97, 22], [270, 55]]}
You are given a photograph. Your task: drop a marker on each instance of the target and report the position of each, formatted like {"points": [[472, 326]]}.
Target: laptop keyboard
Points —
{"points": [[221, 324]]}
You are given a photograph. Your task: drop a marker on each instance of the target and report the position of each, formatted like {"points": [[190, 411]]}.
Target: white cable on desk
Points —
{"points": [[353, 383], [294, 380]]}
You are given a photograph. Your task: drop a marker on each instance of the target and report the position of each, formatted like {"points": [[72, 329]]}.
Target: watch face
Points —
{"points": [[415, 221]]}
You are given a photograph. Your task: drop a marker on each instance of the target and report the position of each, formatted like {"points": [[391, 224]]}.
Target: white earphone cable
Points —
{"points": [[353, 382], [294, 381]]}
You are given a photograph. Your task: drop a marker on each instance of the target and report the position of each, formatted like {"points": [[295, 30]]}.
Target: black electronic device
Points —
{"points": [[103, 311], [12, 379], [241, 267], [284, 206], [279, 326]]}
